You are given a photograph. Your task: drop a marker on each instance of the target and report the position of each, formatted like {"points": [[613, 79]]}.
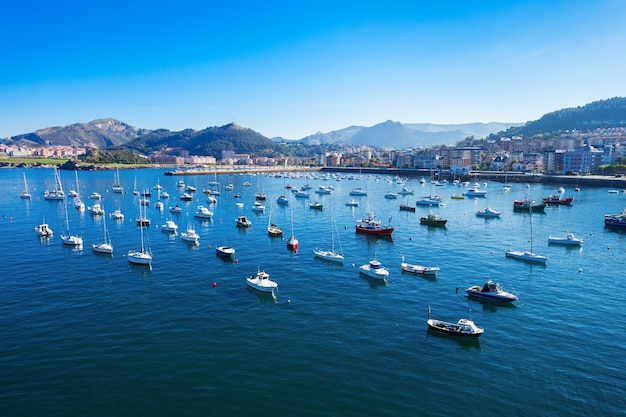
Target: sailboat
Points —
{"points": [[78, 203], [331, 255], [292, 242], [141, 256], [272, 229], [506, 186], [117, 184], [135, 190], [57, 194], [104, 247], [26, 193], [430, 200], [528, 256], [68, 238]]}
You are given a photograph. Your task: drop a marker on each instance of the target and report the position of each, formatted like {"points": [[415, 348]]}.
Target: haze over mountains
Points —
{"points": [[104, 133]]}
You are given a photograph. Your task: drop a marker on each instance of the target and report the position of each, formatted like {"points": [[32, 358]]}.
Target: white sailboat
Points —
{"points": [[26, 193], [117, 184], [272, 228], [331, 255], [528, 256], [105, 246], [360, 190], [141, 256], [57, 194], [78, 203], [68, 238], [135, 190]]}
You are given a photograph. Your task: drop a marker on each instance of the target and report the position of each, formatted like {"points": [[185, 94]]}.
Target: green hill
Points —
{"points": [[598, 114]]}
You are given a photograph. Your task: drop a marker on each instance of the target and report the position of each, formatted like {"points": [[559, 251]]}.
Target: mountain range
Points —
{"points": [[111, 133]]}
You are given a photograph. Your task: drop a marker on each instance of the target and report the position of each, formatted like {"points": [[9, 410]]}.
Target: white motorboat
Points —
{"points": [[569, 239], [190, 235], [95, 196], [211, 200], [352, 203], [242, 221], [374, 269], [169, 226], [203, 213], [176, 209], [488, 212], [225, 251], [419, 269], [491, 291], [96, 210], [462, 328], [43, 230], [186, 197], [117, 215], [258, 207], [261, 282]]}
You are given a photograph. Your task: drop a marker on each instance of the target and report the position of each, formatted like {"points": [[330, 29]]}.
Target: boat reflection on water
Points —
{"points": [[464, 342], [264, 297]]}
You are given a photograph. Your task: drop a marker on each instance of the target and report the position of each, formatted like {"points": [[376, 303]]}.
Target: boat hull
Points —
{"points": [[378, 231]]}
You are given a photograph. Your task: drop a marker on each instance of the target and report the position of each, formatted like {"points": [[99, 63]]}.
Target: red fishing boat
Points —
{"points": [[372, 226]]}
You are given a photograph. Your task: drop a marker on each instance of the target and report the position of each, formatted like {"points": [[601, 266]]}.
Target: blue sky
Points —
{"points": [[285, 68]]}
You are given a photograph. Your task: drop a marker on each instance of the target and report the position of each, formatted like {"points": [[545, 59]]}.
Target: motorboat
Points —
{"points": [[117, 215], [462, 328], [419, 269], [352, 203], [390, 196], [190, 235], [488, 213], [242, 221], [169, 226], [372, 226], [260, 196], [43, 230], [528, 205], [475, 192], [211, 199], [457, 197], [203, 213], [491, 291], [615, 220], [316, 206], [374, 269], [190, 189], [96, 210], [405, 191], [274, 230], [180, 183], [258, 207], [324, 189], [358, 191], [261, 282], [176, 209], [186, 197], [225, 251], [431, 219], [95, 196], [557, 200], [302, 193], [159, 205], [282, 200], [569, 239]]}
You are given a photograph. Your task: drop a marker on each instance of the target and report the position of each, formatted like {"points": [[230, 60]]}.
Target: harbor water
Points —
{"points": [[89, 334]]}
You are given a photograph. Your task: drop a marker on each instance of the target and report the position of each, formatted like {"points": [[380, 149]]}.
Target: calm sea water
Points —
{"points": [[85, 334]]}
